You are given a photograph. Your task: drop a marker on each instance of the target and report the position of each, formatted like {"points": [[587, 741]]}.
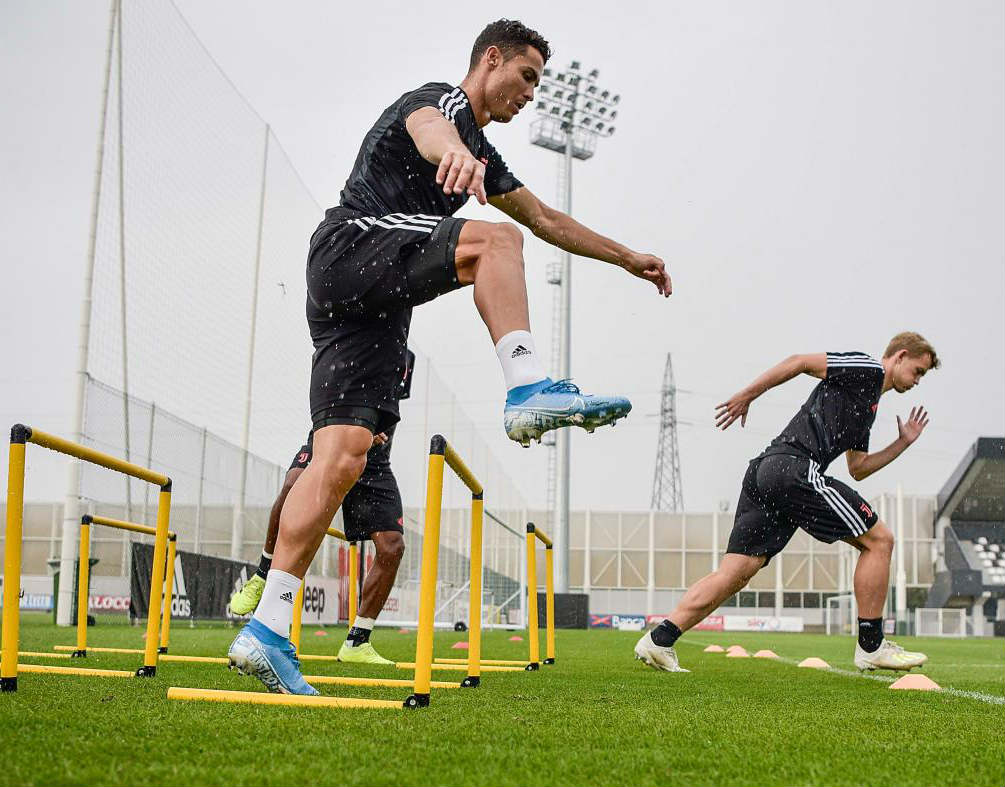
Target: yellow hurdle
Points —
{"points": [[83, 580], [37, 654], [261, 698], [20, 436], [411, 665], [88, 673], [163, 657], [534, 534], [442, 453], [345, 680]]}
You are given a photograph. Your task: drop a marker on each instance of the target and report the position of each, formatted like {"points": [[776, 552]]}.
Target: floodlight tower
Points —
{"points": [[668, 493], [573, 112]]}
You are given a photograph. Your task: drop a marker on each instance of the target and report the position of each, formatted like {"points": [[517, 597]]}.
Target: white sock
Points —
{"points": [[364, 623], [275, 610], [519, 360]]}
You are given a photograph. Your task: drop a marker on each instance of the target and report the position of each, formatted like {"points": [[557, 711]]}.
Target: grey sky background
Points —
{"points": [[818, 176]]}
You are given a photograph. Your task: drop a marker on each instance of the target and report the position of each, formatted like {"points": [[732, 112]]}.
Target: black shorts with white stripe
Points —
{"points": [[782, 493], [364, 275]]}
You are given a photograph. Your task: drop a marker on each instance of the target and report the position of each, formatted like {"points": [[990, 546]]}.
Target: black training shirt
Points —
{"points": [[839, 413], [390, 176]]}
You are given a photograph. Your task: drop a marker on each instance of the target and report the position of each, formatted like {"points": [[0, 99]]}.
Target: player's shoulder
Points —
{"points": [[853, 359]]}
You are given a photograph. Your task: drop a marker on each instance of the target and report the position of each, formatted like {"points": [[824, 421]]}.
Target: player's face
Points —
{"points": [[511, 83], [909, 369]]}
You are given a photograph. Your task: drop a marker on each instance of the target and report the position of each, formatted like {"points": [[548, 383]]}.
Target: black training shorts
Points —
{"points": [[374, 504], [781, 493], [364, 275]]}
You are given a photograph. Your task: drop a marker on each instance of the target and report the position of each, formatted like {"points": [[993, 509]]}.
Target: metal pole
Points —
{"points": [[122, 270], [651, 566], [198, 502], [563, 436], [71, 506], [901, 575], [237, 526]]}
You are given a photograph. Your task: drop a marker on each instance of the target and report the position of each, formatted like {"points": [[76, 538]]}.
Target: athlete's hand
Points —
{"points": [[379, 439], [461, 173], [916, 422], [729, 411], [650, 268]]}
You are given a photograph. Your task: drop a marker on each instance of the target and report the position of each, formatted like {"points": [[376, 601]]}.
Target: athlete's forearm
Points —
{"points": [[776, 375], [563, 231], [434, 136], [870, 463]]}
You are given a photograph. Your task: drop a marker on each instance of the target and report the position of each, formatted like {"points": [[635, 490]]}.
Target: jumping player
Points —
{"points": [[785, 488], [393, 243], [371, 510]]}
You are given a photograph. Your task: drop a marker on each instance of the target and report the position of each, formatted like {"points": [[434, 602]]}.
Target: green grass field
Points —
{"points": [[596, 718]]}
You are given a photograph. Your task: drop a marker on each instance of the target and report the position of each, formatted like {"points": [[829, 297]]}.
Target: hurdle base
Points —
{"points": [[162, 649], [146, 672], [8, 684], [533, 667], [471, 682], [416, 701], [549, 661], [79, 654]]}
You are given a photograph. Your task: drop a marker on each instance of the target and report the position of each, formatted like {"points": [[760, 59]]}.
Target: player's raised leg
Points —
{"points": [[656, 647], [872, 578], [357, 649], [263, 648], [490, 257]]}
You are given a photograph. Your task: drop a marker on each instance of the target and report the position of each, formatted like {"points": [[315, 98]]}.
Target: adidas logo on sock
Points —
{"points": [[287, 596], [520, 350]]}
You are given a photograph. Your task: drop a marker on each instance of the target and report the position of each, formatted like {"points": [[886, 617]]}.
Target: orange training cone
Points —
{"points": [[916, 682], [460, 646], [714, 649], [516, 638], [737, 653], [765, 654], [814, 663]]}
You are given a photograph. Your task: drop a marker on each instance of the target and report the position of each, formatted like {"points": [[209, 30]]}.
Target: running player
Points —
{"points": [[393, 243], [372, 510], [785, 488]]}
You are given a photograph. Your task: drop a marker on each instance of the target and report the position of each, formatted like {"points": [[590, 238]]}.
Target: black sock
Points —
{"points": [[264, 564], [666, 634], [870, 633], [358, 636]]}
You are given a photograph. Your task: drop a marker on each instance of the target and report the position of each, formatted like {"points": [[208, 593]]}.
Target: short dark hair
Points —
{"points": [[511, 37]]}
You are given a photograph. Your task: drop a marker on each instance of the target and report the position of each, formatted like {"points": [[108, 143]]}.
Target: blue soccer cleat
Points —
{"points": [[532, 410], [272, 659]]}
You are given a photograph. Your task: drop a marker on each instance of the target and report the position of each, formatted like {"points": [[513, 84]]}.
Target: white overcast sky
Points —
{"points": [[818, 176]]}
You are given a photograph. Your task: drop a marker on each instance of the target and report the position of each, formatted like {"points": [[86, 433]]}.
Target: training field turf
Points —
{"points": [[596, 718]]}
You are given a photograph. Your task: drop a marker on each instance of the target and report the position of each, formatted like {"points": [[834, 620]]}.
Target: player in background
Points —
{"points": [[785, 488], [372, 510], [393, 243]]}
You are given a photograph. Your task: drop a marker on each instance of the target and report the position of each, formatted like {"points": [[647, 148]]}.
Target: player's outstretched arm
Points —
{"points": [[862, 465], [735, 407], [560, 229], [437, 141]]}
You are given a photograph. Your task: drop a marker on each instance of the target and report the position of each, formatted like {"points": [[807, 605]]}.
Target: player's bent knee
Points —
{"points": [[508, 235], [879, 537], [390, 548]]}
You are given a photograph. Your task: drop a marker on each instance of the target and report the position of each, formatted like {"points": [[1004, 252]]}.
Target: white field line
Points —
{"points": [[991, 699]]}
